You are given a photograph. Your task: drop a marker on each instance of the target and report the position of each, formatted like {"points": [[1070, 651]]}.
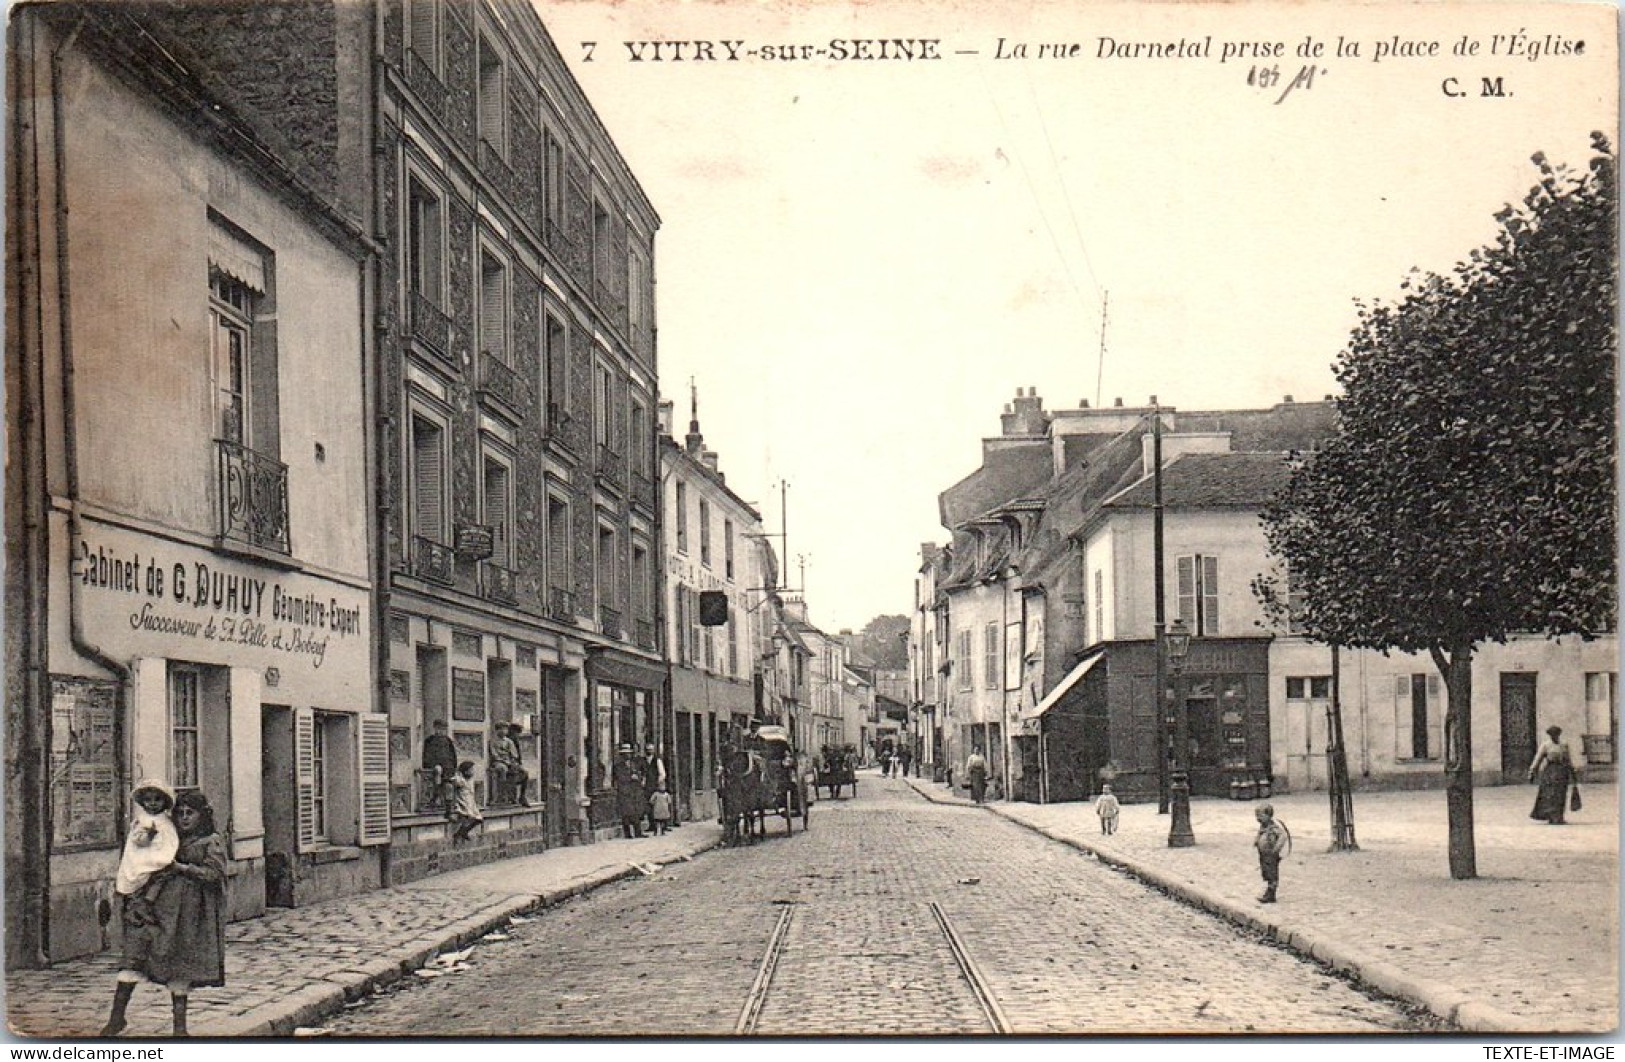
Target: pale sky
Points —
{"points": [[860, 262]]}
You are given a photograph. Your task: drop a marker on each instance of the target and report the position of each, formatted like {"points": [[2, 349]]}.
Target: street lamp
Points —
{"points": [[1178, 644]]}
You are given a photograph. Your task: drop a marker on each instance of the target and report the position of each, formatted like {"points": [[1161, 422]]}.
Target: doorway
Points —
{"points": [[1517, 725], [278, 808]]}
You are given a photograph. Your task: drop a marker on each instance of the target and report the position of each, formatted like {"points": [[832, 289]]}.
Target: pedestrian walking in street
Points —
{"points": [[627, 778], [175, 927], [465, 810], [660, 809], [152, 842], [1272, 842], [1107, 808], [654, 776], [1553, 767], [440, 760], [904, 757], [976, 771]]}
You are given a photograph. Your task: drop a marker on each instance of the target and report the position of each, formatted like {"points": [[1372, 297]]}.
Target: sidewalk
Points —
{"points": [[293, 966], [1531, 945]]}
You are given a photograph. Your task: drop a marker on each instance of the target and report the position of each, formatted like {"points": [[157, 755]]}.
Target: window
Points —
{"points": [[1295, 599], [705, 532], [600, 244], [428, 479], [559, 557], [1309, 688], [728, 548], [603, 396], [553, 181], [963, 662], [423, 29], [319, 777], [185, 731], [243, 350], [640, 582], [493, 306], [496, 497], [1100, 606], [733, 643], [424, 240], [637, 315], [681, 516], [1602, 717], [681, 620], [606, 566], [640, 439], [990, 656], [556, 371], [492, 101], [1199, 593], [1418, 720], [229, 313]]}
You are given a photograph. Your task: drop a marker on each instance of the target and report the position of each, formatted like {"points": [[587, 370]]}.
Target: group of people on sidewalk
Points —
{"points": [[641, 793], [452, 779]]}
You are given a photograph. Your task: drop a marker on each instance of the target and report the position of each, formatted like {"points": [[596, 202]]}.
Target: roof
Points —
{"points": [[1007, 472], [1203, 481]]}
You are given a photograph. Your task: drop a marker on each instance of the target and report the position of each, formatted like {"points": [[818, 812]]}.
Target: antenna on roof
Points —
{"points": [[1100, 368]]}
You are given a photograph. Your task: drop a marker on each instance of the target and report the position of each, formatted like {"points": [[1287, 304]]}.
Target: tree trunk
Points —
{"points": [[1457, 671]]}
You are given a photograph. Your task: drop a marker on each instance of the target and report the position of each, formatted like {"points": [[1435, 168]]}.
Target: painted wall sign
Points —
{"points": [[467, 695], [146, 587]]}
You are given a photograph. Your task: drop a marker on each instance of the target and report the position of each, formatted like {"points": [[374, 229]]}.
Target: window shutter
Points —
{"points": [[1186, 609], [374, 779], [493, 307], [1402, 717], [1210, 595], [304, 771], [423, 35], [496, 510], [1435, 717], [428, 467]]}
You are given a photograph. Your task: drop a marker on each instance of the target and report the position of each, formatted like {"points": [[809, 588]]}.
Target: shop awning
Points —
{"points": [[1063, 687], [621, 669]]}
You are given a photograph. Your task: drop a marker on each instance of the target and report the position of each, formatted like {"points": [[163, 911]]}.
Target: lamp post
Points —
{"points": [[1179, 827], [1160, 691]]}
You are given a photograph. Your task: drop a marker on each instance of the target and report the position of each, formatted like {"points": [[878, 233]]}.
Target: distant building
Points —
{"points": [[713, 546]]}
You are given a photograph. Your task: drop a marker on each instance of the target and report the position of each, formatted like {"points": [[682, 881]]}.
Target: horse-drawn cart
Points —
{"points": [[765, 778], [837, 769]]}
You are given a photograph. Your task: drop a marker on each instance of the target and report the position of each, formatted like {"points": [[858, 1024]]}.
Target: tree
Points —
{"points": [[1470, 491], [881, 642]]}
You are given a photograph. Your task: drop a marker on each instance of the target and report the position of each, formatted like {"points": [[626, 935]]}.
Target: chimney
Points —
{"points": [[1117, 402], [694, 442], [1024, 416], [1083, 403], [1287, 401], [709, 460]]}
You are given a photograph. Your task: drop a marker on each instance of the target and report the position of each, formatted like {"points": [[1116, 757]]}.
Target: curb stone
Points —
{"points": [[1441, 1000], [309, 1005]]}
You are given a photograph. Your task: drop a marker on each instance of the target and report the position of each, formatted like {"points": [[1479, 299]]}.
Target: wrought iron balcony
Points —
{"points": [[498, 583], [609, 622], [253, 498], [610, 465], [426, 83], [432, 560], [428, 323], [645, 634], [495, 168], [643, 490], [498, 380], [561, 604]]}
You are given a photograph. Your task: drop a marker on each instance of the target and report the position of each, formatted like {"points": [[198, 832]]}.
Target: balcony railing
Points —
{"points": [[610, 465], [499, 380], [609, 622], [643, 490], [432, 560], [426, 83], [561, 604], [429, 324], [496, 169], [498, 583], [645, 634], [253, 498]]}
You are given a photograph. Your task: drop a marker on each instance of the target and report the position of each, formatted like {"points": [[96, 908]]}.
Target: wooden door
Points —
{"points": [[1517, 725]]}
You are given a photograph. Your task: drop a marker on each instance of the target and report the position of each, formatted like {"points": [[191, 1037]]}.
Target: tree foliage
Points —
{"points": [[1470, 492], [881, 642]]}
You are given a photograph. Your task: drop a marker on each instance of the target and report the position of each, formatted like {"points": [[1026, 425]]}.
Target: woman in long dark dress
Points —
{"points": [[1554, 768], [175, 928]]}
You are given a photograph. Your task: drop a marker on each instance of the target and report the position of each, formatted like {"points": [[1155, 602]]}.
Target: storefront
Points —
{"points": [[623, 708], [248, 681]]}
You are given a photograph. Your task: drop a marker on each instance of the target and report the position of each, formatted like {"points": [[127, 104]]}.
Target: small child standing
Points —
{"points": [[660, 808], [1107, 807], [1272, 842], [152, 841], [465, 811]]}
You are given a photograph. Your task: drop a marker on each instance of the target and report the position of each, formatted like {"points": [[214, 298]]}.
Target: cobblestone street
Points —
{"points": [[1057, 943]]}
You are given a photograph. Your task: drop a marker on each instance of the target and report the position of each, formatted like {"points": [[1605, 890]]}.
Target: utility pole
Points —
{"points": [[1159, 696]]}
